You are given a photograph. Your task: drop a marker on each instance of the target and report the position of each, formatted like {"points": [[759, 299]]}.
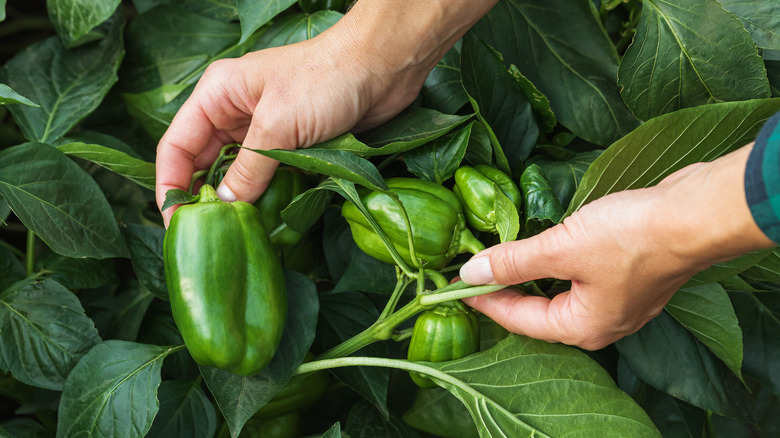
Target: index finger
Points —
{"points": [[189, 134]]}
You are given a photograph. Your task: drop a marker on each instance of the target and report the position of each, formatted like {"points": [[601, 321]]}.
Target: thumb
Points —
{"points": [[517, 262], [247, 177]]}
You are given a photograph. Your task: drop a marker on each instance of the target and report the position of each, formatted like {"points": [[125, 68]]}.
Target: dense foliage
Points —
{"points": [[574, 99]]}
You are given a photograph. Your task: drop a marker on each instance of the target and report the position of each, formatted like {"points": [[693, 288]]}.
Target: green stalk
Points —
{"points": [[220, 158], [429, 300], [408, 225], [321, 364], [439, 280], [400, 285], [30, 252]]}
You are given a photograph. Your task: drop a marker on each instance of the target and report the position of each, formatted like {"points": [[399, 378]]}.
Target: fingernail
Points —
{"points": [[225, 194], [477, 271]]}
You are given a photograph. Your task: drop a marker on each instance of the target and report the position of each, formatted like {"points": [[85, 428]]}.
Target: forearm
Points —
{"points": [[705, 216]]}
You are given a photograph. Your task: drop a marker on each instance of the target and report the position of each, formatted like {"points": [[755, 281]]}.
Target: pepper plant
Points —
{"points": [[571, 99]]}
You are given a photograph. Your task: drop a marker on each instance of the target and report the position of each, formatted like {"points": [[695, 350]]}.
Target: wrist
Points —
{"points": [[706, 215]]}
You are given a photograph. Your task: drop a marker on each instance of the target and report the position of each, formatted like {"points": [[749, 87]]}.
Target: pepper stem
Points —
{"points": [[208, 194], [469, 243]]}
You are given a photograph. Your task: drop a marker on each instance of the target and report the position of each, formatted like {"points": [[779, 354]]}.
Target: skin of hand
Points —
{"points": [[626, 254], [357, 74]]}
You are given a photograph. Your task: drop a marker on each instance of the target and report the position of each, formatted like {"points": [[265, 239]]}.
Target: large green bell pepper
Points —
{"points": [[447, 332], [438, 227], [226, 286], [286, 184], [476, 188]]}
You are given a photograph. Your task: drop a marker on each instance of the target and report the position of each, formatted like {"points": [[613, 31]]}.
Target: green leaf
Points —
{"points": [[119, 315], [502, 102], [148, 107], [540, 204], [707, 313], [438, 160], [438, 412], [240, 397], [761, 18], [112, 391], [76, 274], [307, 208], [672, 417], [254, 14], [131, 168], [670, 142], [442, 90], [668, 357], [725, 270], [507, 217], [74, 19], [43, 333], [296, 27], [563, 392], [574, 65], [759, 317], [479, 150], [363, 421], [688, 53], [59, 202], [335, 163], [67, 84], [344, 315], [410, 129], [159, 328], [145, 244], [11, 268], [225, 10], [768, 269], [565, 176], [178, 196], [501, 162], [185, 411], [2, 10], [367, 274], [191, 42], [773, 73], [9, 96], [21, 427], [333, 432]]}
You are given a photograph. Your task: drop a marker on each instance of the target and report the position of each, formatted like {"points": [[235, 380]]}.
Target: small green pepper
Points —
{"points": [[226, 286], [476, 188], [286, 184], [447, 332], [438, 227]]}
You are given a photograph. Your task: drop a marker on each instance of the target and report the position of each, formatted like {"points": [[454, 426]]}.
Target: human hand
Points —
{"points": [[357, 74], [626, 254]]}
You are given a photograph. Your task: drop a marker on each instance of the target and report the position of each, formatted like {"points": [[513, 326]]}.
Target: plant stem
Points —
{"points": [[30, 252], [436, 298], [381, 330], [400, 285], [439, 280]]}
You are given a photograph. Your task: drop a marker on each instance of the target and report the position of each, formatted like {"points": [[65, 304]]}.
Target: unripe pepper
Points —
{"points": [[226, 286], [299, 393], [447, 332], [476, 188], [286, 184], [438, 227]]}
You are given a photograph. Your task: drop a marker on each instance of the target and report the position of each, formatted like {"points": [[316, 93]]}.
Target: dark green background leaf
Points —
{"points": [[759, 317], [294, 28], [185, 411], [59, 202], [254, 14], [688, 53], [541, 206], [74, 19], [145, 244], [442, 89], [760, 17], [438, 160]]}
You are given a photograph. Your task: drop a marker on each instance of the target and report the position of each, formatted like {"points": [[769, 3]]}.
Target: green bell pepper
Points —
{"points": [[476, 188], [226, 286], [447, 332], [286, 184], [439, 229]]}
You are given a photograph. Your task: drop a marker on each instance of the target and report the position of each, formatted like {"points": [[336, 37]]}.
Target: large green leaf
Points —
{"points": [[759, 316], [131, 168], [335, 163], [668, 357], [707, 313], [565, 176], [67, 84], [561, 46], [438, 160], [670, 142], [74, 19], [76, 273], [254, 14], [344, 315], [112, 391], [768, 269], [59, 201], [241, 397], [225, 10], [191, 41], [145, 244], [442, 89], [43, 332], [185, 411], [294, 28], [502, 102], [11, 268], [687, 53], [524, 387], [541, 206], [760, 17], [118, 315], [438, 412], [725, 270]]}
